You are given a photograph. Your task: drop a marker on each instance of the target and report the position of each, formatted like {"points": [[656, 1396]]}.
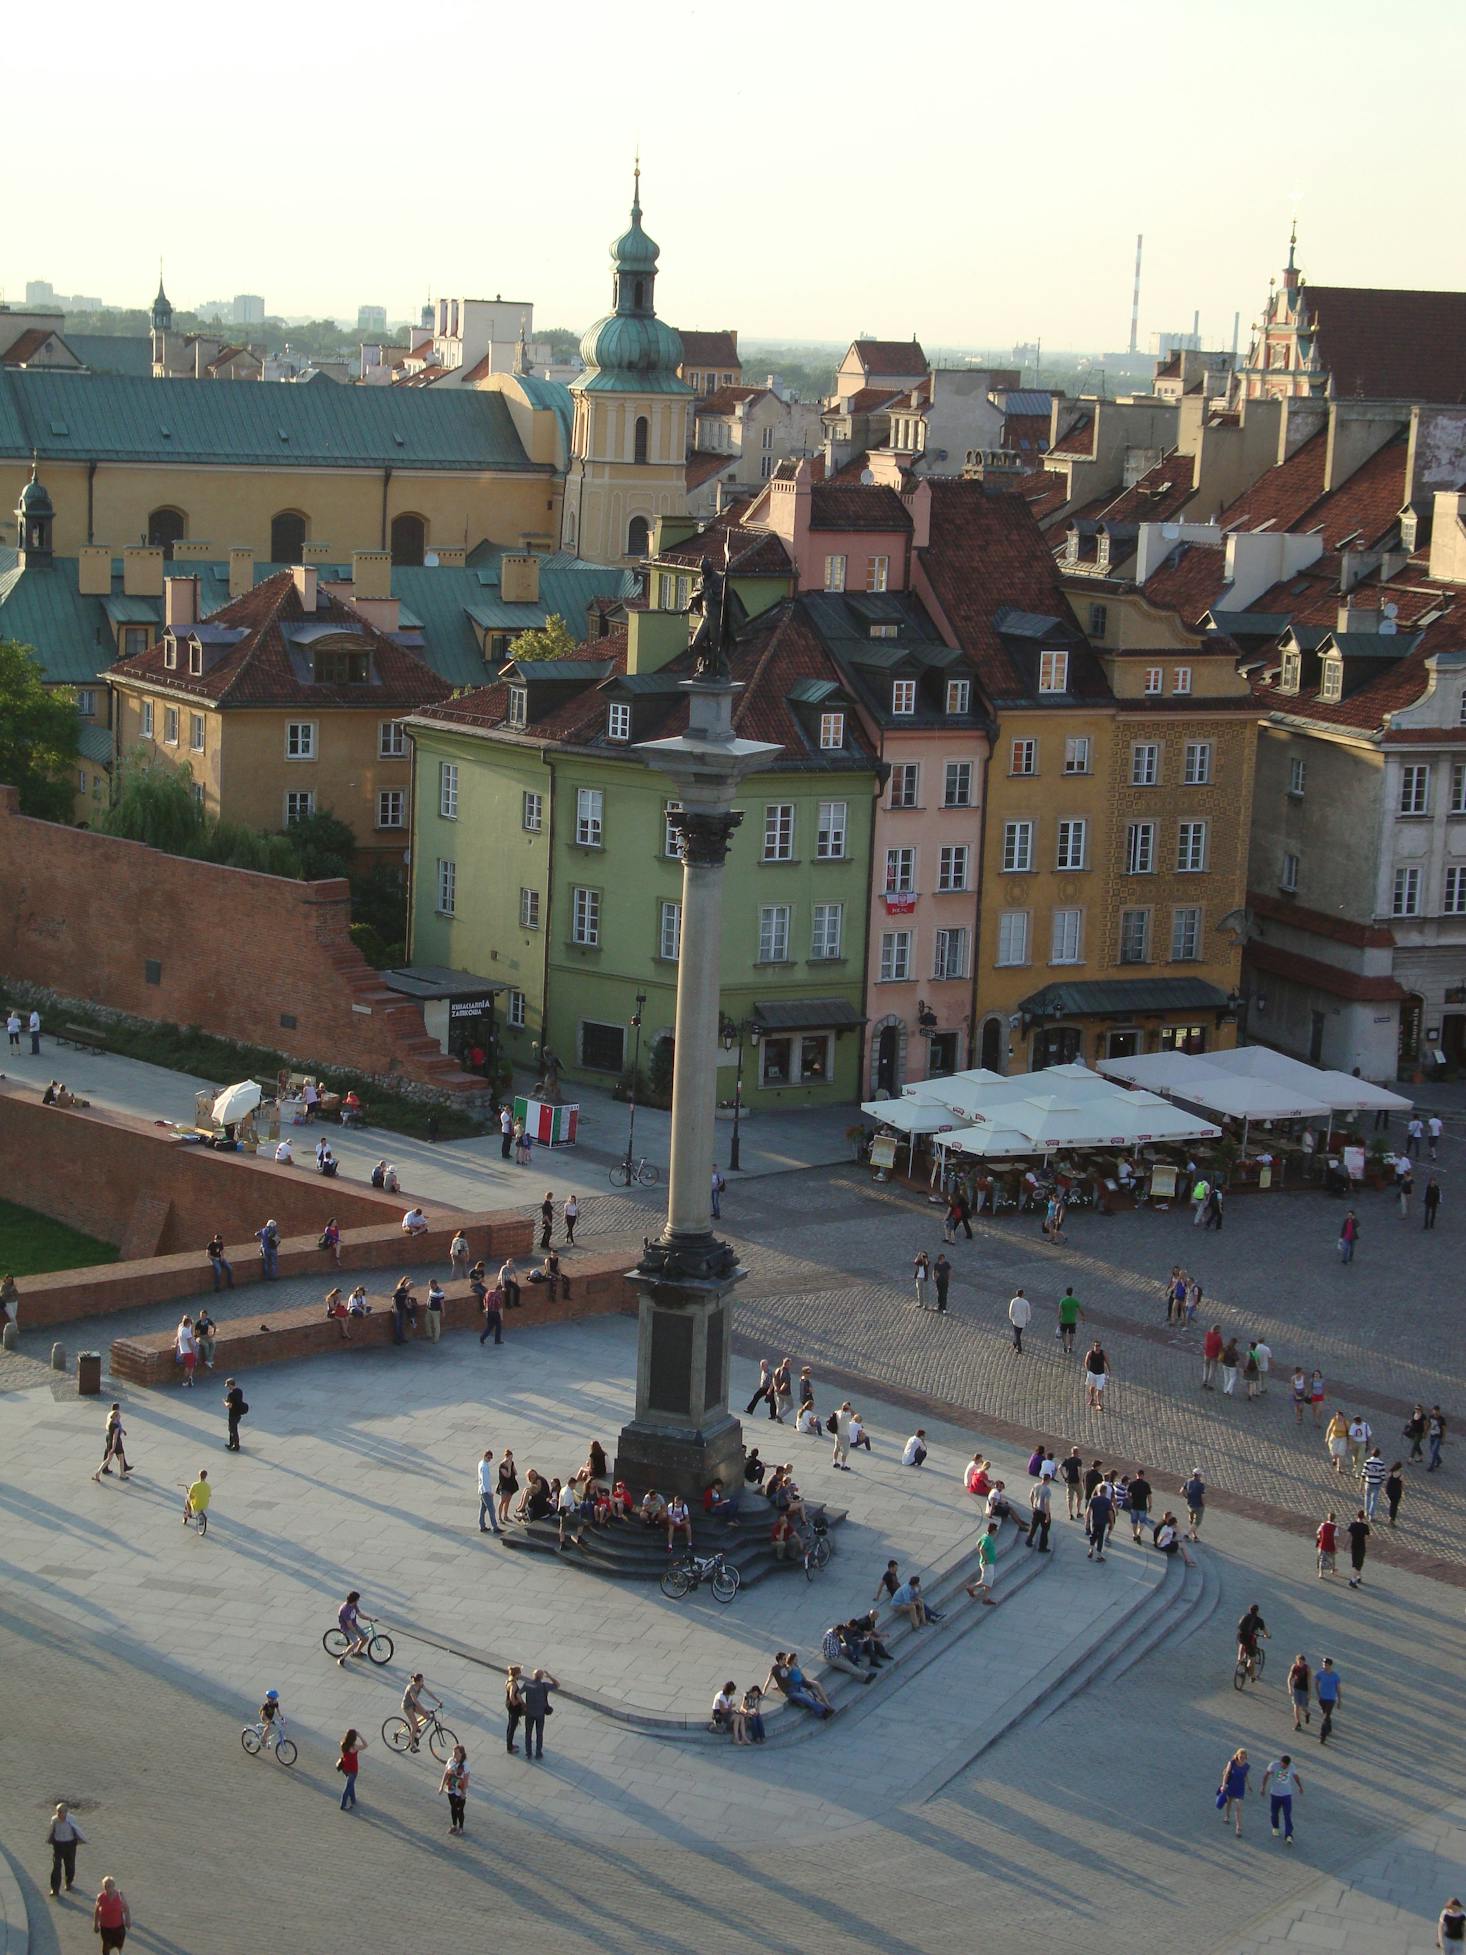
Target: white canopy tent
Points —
{"points": [[910, 1118], [1342, 1092], [1195, 1078], [1023, 1116]]}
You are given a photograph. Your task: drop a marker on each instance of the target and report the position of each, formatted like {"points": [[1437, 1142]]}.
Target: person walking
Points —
{"points": [[269, 1240], [1140, 1498], [236, 1408], [1176, 1295], [949, 1221], [536, 1695], [1414, 1431], [1211, 1355], [113, 1446], [1394, 1491], [779, 1390], [1431, 1201], [1096, 1376], [1348, 1237], [1435, 1434], [1040, 1508], [1213, 1212], [348, 1764], [1360, 1434], [987, 1553], [1414, 1134], [1229, 1368], [921, 1267], [506, 1485], [219, 1262], [1358, 1532], [1316, 1394], [715, 1191], [1450, 1929], [1020, 1311], [63, 1836], [486, 1489], [840, 1458], [1200, 1190], [455, 1783], [1071, 1315], [513, 1704], [111, 1916], [1232, 1792], [1300, 1684], [1404, 1189], [1251, 1371], [1071, 1469], [765, 1379], [1328, 1687], [1282, 1776], [186, 1349], [1373, 1473], [491, 1304], [1326, 1542], [571, 1213], [942, 1280], [1193, 1492], [1336, 1439], [1433, 1131], [1099, 1516]]}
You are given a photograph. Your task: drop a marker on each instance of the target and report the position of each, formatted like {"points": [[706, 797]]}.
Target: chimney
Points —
{"points": [[371, 573], [241, 572], [449, 559], [185, 552], [654, 637], [142, 570], [305, 575], [315, 552], [94, 570], [519, 579], [180, 603]]}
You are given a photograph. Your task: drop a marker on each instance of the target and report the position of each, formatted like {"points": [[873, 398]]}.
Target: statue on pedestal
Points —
{"points": [[713, 638]]}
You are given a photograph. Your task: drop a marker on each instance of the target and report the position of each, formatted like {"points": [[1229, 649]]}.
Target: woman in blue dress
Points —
{"points": [[1233, 1788]]}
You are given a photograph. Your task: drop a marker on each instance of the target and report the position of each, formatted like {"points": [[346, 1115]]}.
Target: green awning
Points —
{"points": [[1123, 998], [807, 1015]]}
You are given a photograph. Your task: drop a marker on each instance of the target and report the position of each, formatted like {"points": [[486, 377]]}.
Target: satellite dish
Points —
{"points": [[430, 559], [1390, 610], [1388, 628], [867, 477], [1170, 531]]}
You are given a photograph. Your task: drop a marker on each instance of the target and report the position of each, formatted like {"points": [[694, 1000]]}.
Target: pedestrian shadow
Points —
{"points": [[305, 1563], [28, 1505]]}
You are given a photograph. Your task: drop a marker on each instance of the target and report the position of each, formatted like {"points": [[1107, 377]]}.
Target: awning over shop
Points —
{"points": [[1201, 1080], [468, 996], [1123, 998], [807, 1015]]}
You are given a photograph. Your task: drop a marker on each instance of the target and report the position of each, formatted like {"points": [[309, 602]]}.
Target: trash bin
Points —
{"points": [[88, 1373]]}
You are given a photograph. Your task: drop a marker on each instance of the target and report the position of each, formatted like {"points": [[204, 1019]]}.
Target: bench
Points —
{"points": [[598, 1287], [84, 1039]]}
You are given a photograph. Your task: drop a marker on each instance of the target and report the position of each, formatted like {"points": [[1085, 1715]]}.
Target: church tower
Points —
{"points": [[628, 445], [162, 327]]}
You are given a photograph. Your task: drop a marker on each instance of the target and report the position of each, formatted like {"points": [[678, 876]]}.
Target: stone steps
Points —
{"points": [[629, 1552]]}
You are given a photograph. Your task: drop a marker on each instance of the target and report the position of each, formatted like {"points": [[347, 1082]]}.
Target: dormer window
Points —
{"points": [[342, 668], [1053, 671], [903, 696], [170, 652], [618, 723], [1102, 551], [832, 732], [1409, 530], [518, 706], [1291, 675], [1331, 679], [195, 657], [959, 695], [885, 631]]}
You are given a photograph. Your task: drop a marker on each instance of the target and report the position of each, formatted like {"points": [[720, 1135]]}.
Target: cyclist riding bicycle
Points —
{"points": [[1249, 1629], [271, 1719], [412, 1708], [349, 1617]]}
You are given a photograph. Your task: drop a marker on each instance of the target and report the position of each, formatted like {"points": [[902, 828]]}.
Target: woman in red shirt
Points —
{"points": [[111, 1917], [349, 1764]]}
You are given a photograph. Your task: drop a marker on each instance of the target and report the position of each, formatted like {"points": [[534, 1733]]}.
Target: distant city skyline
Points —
{"points": [[996, 204]]}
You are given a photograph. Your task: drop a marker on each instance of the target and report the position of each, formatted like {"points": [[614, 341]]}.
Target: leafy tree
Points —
{"points": [[323, 844], [153, 802], [38, 735], [552, 639], [563, 343], [236, 846], [379, 904]]}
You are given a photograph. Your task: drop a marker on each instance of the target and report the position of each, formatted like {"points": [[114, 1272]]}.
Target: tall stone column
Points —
{"points": [[683, 1433]]}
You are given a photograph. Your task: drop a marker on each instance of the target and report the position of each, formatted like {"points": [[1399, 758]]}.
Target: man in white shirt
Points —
{"points": [[1360, 1434], [914, 1451], [1432, 1126], [840, 1458], [1019, 1312], [35, 1032], [1263, 1352], [1414, 1134], [486, 1496], [414, 1222], [283, 1154], [1282, 1776]]}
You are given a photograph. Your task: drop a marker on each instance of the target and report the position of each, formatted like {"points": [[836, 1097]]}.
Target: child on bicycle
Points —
{"points": [[271, 1721], [196, 1501]]}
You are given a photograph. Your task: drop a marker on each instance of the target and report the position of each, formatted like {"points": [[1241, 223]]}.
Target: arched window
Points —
{"points": [[640, 291], [638, 537], [409, 539], [639, 439], [165, 528], [287, 537]]}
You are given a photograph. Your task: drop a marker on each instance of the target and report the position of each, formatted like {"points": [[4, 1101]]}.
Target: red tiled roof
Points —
{"points": [[986, 552], [860, 506], [1318, 923], [1156, 496], [1400, 684], [1077, 439], [870, 400], [1028, 434], [726, 399], [1282, 497], [890, 356], [703, 464], [753, 552], [260, 671], [1189, 581], [28, 344], [1385, 345], [1044, 490], [715, 349], [848, 474], [1314, 972]]}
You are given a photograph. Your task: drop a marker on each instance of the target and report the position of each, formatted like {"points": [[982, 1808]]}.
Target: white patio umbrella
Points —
{"points": [[236, 1101]]}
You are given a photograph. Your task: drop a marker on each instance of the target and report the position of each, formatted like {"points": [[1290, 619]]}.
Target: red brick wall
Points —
{"points": [[86, 914], [93, 1169]]}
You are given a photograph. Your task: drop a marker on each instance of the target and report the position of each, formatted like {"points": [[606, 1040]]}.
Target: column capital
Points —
{"points": [[704, 838]]}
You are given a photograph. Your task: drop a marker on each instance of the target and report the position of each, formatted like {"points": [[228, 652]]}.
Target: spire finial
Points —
{"points": [[1292, 244], [636, 184]]}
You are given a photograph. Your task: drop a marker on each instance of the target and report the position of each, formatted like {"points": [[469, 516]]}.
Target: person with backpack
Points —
{"points": [[236, 1407]]}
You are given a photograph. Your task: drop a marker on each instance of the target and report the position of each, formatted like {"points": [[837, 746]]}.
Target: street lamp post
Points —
{"points": [[735, 1033], [635, 1070]]}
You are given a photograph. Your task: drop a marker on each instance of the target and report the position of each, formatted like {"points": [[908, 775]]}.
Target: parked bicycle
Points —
{"points": [[714, 1569], [816, 1544], [379, 1647], [627, 1173], [255, 1739], [397, 1733]]}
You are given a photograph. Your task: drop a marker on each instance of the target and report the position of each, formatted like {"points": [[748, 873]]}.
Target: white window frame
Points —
{"points": [[832, 732], [1145, 763], [827, 932], [86, 701], [900, 872], [774, 922], [1012, 945], [1453, 893], [906, 773], [1066, 937], [518, 710], [669, 930], [590, 817], [834, 826], [447, 886], [300, 740], [1180, 679], [895, 966], [1155, 679], [448, 790], [671, 834], [959, 696], [147, 719], [835, 569], [877, 573], [1290, 673], [618, 721], [1331, 680], [1405, 894], [1288, 876], [532, 811], [1019, 753], [1297, 776], [390, 799], [1076, 753], [1018, 848], [1458, 787], [778, 831], [1138, 919], [957, 784], [529, 908], [949, 953], [1071, 845], [172, 722], [1186, 929], [198, 732], [391, 740], [1196, 764], [514, 1011], [903, 697], [1414, 798], [1140, 848], [1192, 842], [585, 916], [954, 863], [1053, 671]]}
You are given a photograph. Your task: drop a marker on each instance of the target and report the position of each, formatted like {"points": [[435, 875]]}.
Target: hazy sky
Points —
{"points": [[973, 173]]}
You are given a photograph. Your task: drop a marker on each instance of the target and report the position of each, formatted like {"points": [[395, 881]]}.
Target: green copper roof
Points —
{"points": [[634, 251], [41, 607], [252, 424], [631, 354]]}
